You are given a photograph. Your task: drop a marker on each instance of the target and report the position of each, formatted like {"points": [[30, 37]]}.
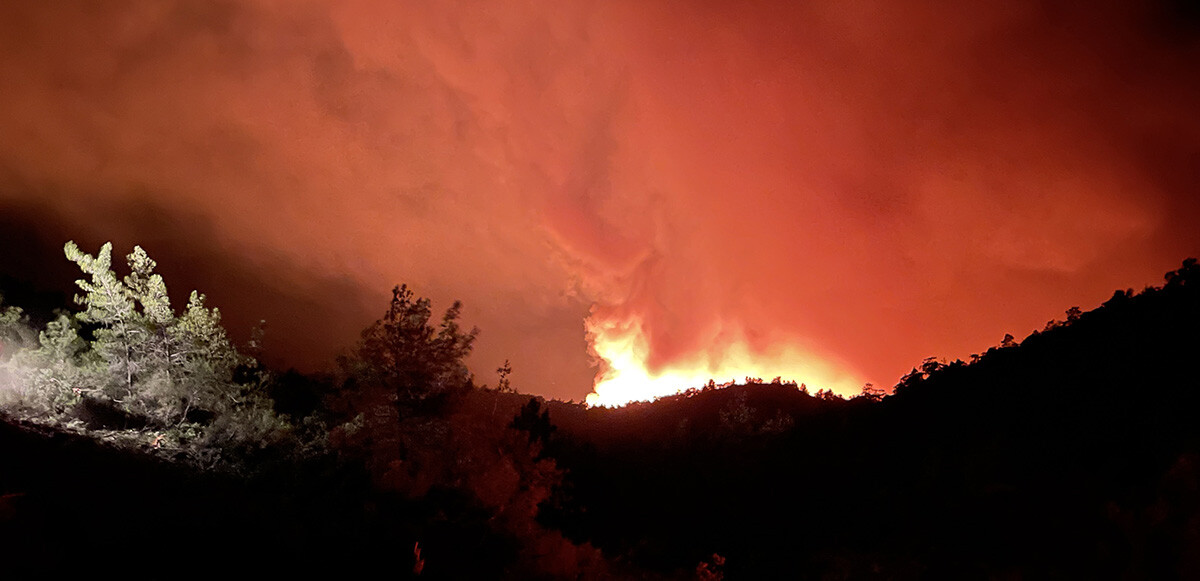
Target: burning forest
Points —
{"points": [[546, 290]]}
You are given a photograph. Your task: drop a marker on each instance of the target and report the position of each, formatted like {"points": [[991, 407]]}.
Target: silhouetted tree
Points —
{"points": [[872, 393], [535, 421], [1187, 274], [504, 385], [407, 357], [738, 419]]}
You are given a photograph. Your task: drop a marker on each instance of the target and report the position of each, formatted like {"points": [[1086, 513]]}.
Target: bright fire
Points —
{"points": [[624, 376]]}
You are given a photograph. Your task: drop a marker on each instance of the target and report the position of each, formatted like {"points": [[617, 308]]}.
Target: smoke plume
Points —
{"points": [[840, 189]]}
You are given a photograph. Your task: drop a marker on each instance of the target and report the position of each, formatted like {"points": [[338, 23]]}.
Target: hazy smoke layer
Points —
{"points": [[874, 182]]}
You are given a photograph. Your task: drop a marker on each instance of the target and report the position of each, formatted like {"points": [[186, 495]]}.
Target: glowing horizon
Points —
{"points": [[625, 377]]}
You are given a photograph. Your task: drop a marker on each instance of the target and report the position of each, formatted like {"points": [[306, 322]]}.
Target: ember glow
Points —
{"points": [[625, 376]]}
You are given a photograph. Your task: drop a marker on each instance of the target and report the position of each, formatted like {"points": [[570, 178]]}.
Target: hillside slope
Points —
{"points": [[1075, 454]]}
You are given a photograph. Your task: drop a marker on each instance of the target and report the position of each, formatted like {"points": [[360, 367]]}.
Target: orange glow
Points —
{"points": [[851, 186], [624, 376]]}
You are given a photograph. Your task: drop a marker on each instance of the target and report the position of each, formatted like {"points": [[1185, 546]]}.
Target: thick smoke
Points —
{"points": [[870, 182]]}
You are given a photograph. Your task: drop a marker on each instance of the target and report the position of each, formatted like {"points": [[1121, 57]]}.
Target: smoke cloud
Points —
{"points": [[864, 183]]}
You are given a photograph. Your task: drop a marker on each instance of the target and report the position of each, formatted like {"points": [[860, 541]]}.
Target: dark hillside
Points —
{"points": [[1075, 454], [83, 505]]}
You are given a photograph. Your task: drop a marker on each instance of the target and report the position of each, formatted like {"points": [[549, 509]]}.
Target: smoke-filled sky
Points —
{"points": [[851, 186]]}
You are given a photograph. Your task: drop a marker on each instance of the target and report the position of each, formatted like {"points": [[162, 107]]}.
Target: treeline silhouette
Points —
{"points": [[1073, 453]]}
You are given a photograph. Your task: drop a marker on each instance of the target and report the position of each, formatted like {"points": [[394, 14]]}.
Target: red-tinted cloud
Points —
{"points": [[872, 182]]}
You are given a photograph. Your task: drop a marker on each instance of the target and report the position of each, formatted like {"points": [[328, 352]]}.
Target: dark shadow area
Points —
{"points": [[1072, 454]]}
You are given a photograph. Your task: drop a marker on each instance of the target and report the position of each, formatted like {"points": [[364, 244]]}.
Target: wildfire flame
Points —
{"points": [[624, 376]]}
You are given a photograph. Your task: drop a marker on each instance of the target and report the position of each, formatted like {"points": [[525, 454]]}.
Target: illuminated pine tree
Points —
{"points": [[58, 373], [15, 332], [109, 305], [157, 350], [166, 365], [207, 359], [148, 289], [15, 337]]}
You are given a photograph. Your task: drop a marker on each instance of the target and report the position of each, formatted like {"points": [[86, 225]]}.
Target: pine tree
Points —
{"points": [[110, 305], [145, 367], [164, 365], [158, 351], [409, 357], [208, 358], [54, 376], [15, 336], [148, 288], [15, 332]]}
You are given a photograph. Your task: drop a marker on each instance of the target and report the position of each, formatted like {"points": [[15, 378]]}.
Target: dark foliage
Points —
{"points": [[1074, 454], [1071, 454], [534, 421], [407, 359], [99, 414], [296, 395]]}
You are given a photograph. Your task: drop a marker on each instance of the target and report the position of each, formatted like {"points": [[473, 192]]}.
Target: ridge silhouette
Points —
{"points": [[1072, 453]]}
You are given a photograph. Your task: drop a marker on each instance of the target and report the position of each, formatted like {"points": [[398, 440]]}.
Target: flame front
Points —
{"points": [[624, 376]]}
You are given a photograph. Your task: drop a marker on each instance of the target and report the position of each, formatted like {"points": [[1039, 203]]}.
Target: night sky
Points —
{"points": [[829, 191]]}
